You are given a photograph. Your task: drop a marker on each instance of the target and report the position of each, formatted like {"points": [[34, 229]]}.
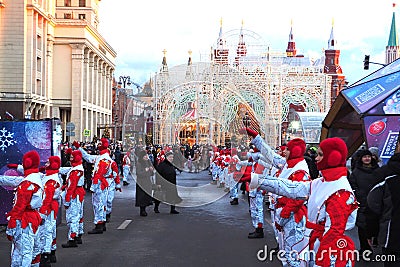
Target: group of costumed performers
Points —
{"points": [[105, 182], [315, 234], [32, 220]]}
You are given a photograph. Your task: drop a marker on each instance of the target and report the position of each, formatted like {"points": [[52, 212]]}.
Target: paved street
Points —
{"points": [[207, 232]]}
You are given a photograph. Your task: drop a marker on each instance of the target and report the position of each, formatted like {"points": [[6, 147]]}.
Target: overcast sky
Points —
{"points": [[140, 30]]}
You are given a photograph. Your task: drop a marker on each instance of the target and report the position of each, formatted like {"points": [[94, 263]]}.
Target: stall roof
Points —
{"points": [[370, 100]]}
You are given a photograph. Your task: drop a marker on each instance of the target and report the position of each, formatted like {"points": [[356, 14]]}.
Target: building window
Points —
{"points": [[67, 3], [82, 16], [82, 3], [67, 16]]}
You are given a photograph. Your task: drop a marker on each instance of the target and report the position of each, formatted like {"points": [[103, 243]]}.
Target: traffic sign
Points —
{"points": [[69, 133], [86, 132], [70, 127]]}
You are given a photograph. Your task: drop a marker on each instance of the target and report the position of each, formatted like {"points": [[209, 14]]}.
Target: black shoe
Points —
{"points": [[143, 213], [258, 233], [234, 201], [97, 230], [125, 183], [78, 239], [108, 217], [156, 210], [70, 244], [174, 211], [104, 227], [53, 258], [45, 260]]}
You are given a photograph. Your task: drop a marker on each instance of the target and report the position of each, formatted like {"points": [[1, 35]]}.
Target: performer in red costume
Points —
{"points": [[49, 210], [331, 203], [24, 218], [74, 199]]}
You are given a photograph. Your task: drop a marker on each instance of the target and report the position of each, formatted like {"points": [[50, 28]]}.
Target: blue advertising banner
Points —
{"points": [[365, 96], [19, 137], [382, 132]]}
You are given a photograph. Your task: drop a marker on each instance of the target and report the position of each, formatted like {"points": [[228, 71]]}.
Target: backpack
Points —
{"points": [[312, 167]]}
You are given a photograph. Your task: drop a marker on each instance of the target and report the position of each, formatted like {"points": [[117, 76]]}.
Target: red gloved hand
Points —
{"points": [[10, 237], [248, 131], [12, 165], [118, 189], [76, 144]]}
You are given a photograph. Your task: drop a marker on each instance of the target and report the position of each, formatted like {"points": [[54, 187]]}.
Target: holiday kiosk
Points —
{"points": [[368, 112]]}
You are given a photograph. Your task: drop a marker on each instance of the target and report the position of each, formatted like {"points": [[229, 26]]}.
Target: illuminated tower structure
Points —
{"points": [[241, 50], [291, 48], [221, 53], [333, 68], [392, 48]]}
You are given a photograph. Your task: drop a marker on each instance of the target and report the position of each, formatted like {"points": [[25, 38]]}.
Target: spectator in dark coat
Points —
{"points": [[166, 181], [384, 200], [144, 171], [362, 180]]}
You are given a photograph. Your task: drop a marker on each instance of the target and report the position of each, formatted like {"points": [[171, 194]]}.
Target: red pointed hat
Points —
{"points": [[335, 153], [297, 148], [104, 144], [55, 163], [31, 160], [77, 158]]}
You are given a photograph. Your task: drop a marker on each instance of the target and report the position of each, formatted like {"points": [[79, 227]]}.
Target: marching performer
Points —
{"points": [[331, 203], [24, 218], [73, 196], [49, 209], [126, 168]]}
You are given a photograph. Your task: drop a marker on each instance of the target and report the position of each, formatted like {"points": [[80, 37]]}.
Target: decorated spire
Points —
{"points": [[291, 48], [164, 66], [393, 40], [220, 55], [241, 50], [331, 41]]}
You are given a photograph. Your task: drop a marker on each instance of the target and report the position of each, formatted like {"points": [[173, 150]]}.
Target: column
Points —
{"points": [[76, 87]]}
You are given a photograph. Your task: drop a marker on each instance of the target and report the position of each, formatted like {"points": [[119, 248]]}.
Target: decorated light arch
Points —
{"points": [[262, 85]]}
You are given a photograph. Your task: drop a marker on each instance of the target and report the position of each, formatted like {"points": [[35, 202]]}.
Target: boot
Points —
{"points": [[70, 244], [258, 233], [143, 212], [53, 258], [78, 239], [156, 205], [235, 201], [173, 210], [104, 226], [97, 230], [45, 260], [108, 217]]}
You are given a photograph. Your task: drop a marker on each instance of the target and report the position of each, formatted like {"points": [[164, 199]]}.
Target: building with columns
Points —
{"points": [[55, 63]]}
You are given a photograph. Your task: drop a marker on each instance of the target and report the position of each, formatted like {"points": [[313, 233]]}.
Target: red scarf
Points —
{"points": [[50, 172], [334, 174], [29, 171], [292, 162]]}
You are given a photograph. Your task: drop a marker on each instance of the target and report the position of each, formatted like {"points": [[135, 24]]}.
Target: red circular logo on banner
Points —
{"points": [[377, 127]]}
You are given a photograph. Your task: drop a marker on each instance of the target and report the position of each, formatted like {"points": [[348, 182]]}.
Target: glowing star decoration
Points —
{"points": [[38, 134], [377, 127], [6, 139]]}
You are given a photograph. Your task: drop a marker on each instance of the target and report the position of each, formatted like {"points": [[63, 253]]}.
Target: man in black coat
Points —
{"points": [[166, 181], [384, 199]]}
